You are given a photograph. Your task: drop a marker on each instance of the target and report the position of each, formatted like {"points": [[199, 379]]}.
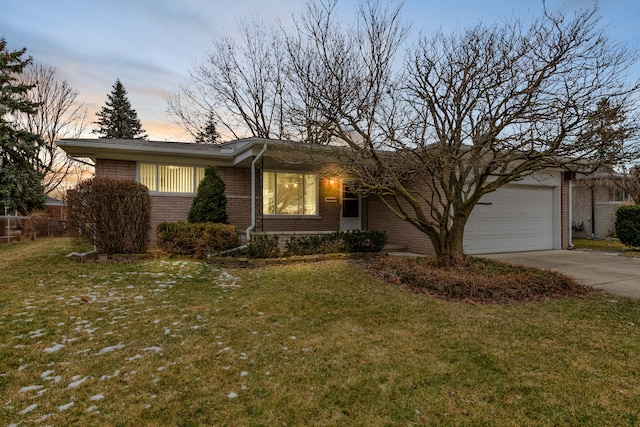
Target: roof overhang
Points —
{"points": [[239, 153]]}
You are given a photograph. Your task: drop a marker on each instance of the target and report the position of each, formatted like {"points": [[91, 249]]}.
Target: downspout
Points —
{"points": [[570, 214], [593, 212], [253, 203]]}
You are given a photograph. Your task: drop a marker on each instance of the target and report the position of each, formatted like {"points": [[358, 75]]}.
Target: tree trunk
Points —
{"points": [[449, 245]]}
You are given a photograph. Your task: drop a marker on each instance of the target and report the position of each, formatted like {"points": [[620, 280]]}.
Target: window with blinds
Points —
{"points": [[170, 178]]}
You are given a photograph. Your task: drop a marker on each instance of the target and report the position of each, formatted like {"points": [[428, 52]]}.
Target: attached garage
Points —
{"points": [[515, 218]]}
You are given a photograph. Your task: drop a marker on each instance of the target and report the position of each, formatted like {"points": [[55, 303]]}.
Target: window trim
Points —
{"points": [[316, 215], [157, 165]]}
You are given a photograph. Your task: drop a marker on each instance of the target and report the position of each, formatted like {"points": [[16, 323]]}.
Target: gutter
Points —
{"points": [[253, 203]]}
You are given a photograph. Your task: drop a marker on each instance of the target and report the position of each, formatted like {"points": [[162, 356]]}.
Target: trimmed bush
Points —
{"points": [[210, 203], [628, 225], [113, 214], [314, 244], [199, 239], [363, 241], [339, 241], [264, 246]]}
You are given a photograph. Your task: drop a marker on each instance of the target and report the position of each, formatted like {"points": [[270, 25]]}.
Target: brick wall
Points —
{"points": [[238, 192], [118, 169], [398, 232], [175, 207]]}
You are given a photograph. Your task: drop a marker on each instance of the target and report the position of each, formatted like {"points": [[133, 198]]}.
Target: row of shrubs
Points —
{"points": [[267, 246], [201, 239]]}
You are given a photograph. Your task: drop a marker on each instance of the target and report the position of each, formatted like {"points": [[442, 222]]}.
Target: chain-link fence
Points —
{"points": [[15, 228]]}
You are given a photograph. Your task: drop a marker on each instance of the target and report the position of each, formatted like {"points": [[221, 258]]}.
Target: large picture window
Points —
{"points": [[170, 178], [289, 193]]}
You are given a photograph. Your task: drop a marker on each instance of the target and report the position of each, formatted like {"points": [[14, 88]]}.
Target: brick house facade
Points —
{"points": [[237, 162]]}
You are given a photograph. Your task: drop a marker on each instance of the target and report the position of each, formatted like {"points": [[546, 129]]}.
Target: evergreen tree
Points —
{"points": [[117, 119], [21, 185], [209, 134], [210, 203]]}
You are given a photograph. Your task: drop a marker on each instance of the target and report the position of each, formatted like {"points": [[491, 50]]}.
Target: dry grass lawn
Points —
{"points": [[182, 343]]}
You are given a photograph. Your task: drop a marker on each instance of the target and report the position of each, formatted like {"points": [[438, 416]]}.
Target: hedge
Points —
{"points": [[197, 239], [339, 241], [628, 225]]}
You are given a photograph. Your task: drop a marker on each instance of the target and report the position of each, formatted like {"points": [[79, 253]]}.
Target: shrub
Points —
{"points": [[264, 246], [210, 203], [339, 241], [364, 241], [628, 225], [197, 239], [313, 244], [111, 213]]}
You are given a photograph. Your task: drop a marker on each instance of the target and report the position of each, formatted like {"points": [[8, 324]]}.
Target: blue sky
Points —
{"points": [[150, 45]]}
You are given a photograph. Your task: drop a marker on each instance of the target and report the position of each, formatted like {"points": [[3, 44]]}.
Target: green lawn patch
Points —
{"points": [[606, 245], [170, 341]]}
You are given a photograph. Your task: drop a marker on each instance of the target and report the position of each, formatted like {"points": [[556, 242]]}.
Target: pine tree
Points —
{"points": [[210, 203], [208, 134], [21, 185], [117, 119]]}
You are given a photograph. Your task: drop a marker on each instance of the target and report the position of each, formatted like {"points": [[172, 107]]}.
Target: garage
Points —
{"points": [[512, 219]]}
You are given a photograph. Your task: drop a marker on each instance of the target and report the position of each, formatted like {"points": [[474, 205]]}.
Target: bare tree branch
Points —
{"points": [[58, 116]]}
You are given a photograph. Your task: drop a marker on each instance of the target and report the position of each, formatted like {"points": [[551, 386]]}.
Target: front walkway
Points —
{"points": [[610, 272]]}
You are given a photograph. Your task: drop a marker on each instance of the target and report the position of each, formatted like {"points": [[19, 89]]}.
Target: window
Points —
{"points": [[170, 178], [289, 194], [618, 195]]}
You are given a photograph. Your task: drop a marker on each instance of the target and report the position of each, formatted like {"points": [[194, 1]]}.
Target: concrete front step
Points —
{"points": [[394, 248]]}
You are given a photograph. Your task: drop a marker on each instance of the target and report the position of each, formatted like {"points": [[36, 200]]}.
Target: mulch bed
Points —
{"points": [[478, 281]]}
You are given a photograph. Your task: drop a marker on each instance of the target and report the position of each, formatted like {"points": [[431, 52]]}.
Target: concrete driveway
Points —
{"points": [[607, 271]]}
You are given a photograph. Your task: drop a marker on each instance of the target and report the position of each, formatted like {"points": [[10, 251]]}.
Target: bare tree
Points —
{"points": [[59, 115], [469, 112], [239, 86]]}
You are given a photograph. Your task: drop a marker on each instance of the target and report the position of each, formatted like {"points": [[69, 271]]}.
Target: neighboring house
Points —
{"points": [[595, 201], [271, 190], [55, 209]]}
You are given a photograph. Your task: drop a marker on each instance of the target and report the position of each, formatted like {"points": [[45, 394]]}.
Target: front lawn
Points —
{"points": [[606, 245], [162, 341]]}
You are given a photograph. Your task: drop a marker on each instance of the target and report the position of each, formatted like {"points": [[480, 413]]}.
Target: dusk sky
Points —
{"points": [[150, 45]]}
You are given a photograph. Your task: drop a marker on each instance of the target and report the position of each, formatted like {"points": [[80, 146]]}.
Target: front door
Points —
{"points": [[350, 212]]}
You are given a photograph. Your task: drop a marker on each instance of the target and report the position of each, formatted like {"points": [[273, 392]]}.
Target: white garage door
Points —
{"points": [[512, 219]]}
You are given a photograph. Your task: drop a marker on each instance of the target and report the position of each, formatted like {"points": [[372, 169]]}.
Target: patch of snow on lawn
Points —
{"points": [[110, 349], [78, 383], [108, 377], [54, 348], [96, 397], [28, 409], [47, 376], [30, 388], [154, 349], [62, 408]]}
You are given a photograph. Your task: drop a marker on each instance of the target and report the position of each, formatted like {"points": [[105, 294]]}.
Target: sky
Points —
{"points": [[151, 45]]}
